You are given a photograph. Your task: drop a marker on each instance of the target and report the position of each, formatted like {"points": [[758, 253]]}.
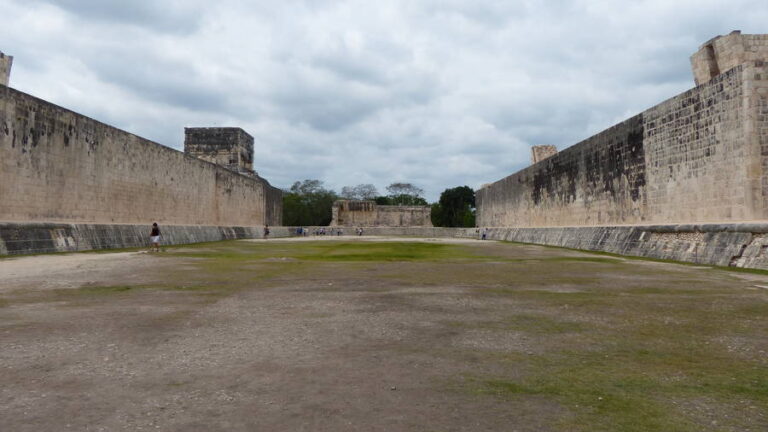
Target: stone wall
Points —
{"points": [[698, 157], [597, 181], [59, 166], [368, 213], [36, 238]]}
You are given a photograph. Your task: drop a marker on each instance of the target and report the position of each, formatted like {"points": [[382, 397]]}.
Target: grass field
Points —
{"points": [[476, 335]]}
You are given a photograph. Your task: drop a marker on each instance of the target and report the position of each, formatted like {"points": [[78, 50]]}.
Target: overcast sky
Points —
{"points": [[439, 93]]}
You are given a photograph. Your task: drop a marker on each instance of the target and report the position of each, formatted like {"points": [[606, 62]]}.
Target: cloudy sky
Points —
{"points": [[439, 93]]}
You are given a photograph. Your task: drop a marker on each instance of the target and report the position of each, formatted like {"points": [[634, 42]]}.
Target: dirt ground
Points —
{"points": [[377, 334]]}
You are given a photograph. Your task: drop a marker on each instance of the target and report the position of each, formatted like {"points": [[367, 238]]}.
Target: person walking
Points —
{"points": [[154, 238], [266, 232]]}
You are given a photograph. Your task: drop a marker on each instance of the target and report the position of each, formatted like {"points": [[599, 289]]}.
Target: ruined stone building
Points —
{"points": [[701, 156], [369, 214]]}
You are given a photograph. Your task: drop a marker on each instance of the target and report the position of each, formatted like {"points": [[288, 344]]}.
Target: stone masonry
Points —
{"points": [[369, 214], [6, 62], [699, 157], [57, 166], [541, 152], [723, 53], [230, 147]]}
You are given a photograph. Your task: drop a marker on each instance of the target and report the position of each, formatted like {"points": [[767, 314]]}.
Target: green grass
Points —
{"points": [[325, 251]]}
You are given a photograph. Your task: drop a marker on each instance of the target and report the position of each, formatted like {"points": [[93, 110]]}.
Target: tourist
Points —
{"points": [[485, 233], [266, 232], [154, 238]]}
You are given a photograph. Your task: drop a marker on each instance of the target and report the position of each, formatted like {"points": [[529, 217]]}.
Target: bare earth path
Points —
{"points": [[378, 334]]}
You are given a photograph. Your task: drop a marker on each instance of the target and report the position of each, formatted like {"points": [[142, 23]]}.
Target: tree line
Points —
{"points": [[309, 202]]}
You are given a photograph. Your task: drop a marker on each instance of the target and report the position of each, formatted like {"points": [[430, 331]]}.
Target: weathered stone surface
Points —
{"points": [[368, 213], [6, 62], [60, 166], [723, 53], [230, 147], [600, 180], [701, 156], [32, 238], [541, 152]]}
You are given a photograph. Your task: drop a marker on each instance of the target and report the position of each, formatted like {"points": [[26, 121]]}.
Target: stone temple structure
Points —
{"points": [[369, 214], [230, 147]]}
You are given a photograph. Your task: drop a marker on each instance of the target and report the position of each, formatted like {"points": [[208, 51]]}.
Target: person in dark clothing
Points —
{"points": [[266, 232], [154, 238]]}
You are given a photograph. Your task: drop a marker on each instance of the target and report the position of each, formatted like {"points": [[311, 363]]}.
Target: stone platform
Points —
{"points": [[35, 238]]}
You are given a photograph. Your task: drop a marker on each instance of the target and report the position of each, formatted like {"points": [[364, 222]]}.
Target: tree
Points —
{"points": [[308, 203], [404, 194], [359, 192], [396, 189], [456, 208], [308, 187]]}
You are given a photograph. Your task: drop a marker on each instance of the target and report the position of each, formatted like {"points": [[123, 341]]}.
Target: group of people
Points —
{"points": [[321, 231]]}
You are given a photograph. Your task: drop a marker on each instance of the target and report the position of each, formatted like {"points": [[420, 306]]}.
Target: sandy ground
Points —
{"points": [[332, 349]]}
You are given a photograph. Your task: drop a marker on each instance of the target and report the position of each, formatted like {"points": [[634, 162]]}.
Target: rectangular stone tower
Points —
{"points": [[722, 53], [6, 62], [230, 147], [541, 152]]}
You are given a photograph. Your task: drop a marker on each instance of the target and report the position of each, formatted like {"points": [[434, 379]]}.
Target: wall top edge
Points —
{"points": [[145, 141], [576, 146]]}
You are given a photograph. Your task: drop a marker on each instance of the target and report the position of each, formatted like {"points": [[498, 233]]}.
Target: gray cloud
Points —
{"points": [[162, 16]]}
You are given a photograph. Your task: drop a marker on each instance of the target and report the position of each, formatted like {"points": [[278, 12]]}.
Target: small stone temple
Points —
{"points": [[369, 214]]}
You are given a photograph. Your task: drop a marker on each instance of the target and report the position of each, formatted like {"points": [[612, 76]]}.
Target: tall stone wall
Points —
{"points": [[60, 166], [369, 214], [698, 157]]}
